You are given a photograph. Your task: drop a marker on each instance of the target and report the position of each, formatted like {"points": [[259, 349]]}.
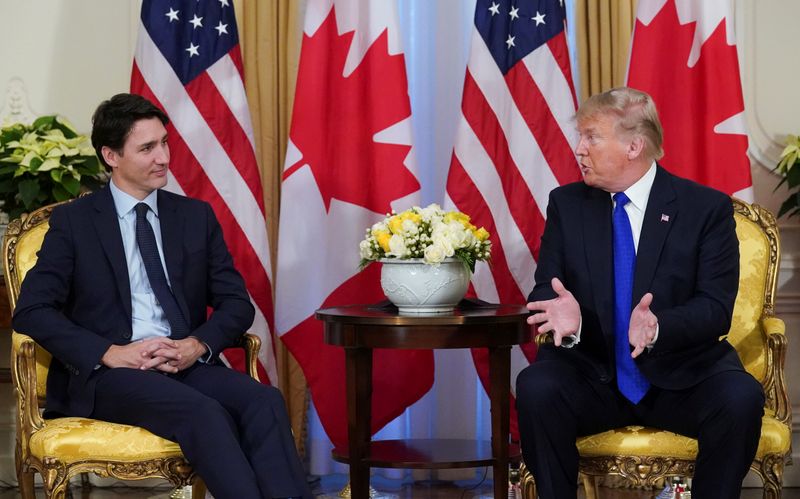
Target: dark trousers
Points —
{"points": [[556, 404], [232, 429]]}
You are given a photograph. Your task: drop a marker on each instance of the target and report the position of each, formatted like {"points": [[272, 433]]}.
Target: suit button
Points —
{"points": [[127, 335], [605, 378]]}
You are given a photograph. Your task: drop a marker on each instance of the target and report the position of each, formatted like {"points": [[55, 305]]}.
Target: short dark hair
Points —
{"points": [[114, 118]]}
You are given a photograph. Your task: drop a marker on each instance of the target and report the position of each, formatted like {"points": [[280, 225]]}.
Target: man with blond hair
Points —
{"points": [[636, 280]]}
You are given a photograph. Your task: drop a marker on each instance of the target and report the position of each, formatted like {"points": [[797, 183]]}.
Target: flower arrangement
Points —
{"points": [[429, 233], [44, 162], [788, 167]]}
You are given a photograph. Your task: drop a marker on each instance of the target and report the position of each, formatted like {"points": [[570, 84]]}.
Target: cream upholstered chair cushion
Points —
{"points": [[61, 448]]}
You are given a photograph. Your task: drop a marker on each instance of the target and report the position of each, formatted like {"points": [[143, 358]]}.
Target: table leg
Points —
{"points": [[499, 380], [359, 404]]}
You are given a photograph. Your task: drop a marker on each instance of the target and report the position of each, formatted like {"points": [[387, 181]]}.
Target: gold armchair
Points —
{"points": [[61, 448], [644, 456]]}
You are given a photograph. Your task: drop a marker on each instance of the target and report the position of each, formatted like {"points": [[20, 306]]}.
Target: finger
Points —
{"points": [[539, 318], [152, 363], [556, 338], [645, 302], [637, 350], [545, 328], [538, 305], [166, 367], [168, 354], [558, 287]]}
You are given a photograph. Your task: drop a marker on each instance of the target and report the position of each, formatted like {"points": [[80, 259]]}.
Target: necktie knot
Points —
{"points": [[141, 209], [621, 199]]}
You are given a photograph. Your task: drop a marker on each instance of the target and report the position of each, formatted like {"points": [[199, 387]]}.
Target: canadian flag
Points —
{"points": [[349, 162], [684, 56]]}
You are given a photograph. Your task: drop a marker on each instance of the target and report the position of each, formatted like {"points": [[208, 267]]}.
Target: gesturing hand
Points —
{"points": [[561, 315], [642, 328]]}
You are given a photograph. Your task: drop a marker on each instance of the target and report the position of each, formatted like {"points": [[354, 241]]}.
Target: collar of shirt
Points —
{"points": [[639, 194], [124, 202]]}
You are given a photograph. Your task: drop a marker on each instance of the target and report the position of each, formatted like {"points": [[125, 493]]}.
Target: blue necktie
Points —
{"points": [[146, 240], [630, 380]]}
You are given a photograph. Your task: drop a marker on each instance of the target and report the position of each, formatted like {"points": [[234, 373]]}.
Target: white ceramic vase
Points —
{"points": [[416, 287]]}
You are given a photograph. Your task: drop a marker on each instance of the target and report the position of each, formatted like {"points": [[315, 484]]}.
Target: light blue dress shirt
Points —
{"points": [[148, 317]]}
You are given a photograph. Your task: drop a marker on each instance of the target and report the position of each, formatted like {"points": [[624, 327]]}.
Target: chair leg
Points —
{"points": [[26, 489], [198, 489], [771, 471], [590, 486], [526, 483]]}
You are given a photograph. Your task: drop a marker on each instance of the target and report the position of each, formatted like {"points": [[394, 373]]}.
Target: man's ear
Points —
{"points": [[635, 147], [110, 156]]}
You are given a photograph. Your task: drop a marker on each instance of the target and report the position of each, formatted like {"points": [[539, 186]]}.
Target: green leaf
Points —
{"points": [[48, 165], [28, 190], [61, 194], [71, 184], [56, 175], [793, 177]]}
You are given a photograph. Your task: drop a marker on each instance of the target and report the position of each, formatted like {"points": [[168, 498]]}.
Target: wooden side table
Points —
{"points": [[361, 328]]}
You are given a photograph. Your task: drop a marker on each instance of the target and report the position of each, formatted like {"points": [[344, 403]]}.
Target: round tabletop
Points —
{"points": [[473, 324]]}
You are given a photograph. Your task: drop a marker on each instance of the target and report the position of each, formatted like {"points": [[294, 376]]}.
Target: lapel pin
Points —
{"points": [[664, 218]]}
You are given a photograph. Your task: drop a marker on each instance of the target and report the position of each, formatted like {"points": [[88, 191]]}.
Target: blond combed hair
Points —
{"points": [[635, 112]]}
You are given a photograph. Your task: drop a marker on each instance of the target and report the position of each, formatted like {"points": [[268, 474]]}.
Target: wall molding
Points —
{"points": [[15, 107]]}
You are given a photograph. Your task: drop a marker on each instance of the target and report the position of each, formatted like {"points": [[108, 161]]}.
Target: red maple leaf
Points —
{"points": [[692, 101], [335, 118]]}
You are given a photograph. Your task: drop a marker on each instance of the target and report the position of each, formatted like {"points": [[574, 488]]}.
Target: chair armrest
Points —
{"points": [[23, 376], [543, 338], [251, 344], [774, 377]]}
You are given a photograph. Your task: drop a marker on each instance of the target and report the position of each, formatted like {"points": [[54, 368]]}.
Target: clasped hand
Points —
{"points": [[562, 316], [160, 354]]}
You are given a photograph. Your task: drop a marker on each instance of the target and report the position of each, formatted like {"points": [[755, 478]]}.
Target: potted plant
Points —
{"points": [[45, 162], [789, 169], [428, 255]]}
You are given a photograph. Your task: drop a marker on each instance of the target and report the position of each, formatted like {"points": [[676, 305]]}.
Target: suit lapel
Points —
{"points": [[106, 224], [658, 220], [172, 226], [597, 235]]}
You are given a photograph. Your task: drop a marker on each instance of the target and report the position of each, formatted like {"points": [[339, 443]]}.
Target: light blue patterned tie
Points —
{"points": [[630, 380]]}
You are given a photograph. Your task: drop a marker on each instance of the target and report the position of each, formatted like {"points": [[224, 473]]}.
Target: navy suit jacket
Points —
{"points": [[76, 301], [688, 257]]}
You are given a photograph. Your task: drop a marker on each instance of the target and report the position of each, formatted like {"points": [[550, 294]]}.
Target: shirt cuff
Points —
{"points": [[571, 341], [207, 356]]}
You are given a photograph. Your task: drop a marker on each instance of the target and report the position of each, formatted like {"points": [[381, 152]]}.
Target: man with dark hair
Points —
{"points": [[119, 296], [636, 280]]}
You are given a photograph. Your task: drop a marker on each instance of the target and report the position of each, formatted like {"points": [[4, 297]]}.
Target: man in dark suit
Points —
{"points": [[636, 280], [119, 297]]}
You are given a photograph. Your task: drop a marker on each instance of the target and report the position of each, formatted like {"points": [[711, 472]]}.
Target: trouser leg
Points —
{"points": [[555, 405], [724, 414], [264, 428], [205, 431]]}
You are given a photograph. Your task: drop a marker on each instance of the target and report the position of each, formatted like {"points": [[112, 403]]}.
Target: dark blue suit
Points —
{"points": [[688, 258], [76, 303]]}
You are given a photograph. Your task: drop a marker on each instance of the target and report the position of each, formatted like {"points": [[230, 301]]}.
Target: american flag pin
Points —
{"points": [[664, 218]]}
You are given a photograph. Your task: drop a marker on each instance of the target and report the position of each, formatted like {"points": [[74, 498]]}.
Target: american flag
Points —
{"points": [[513, 145], [188, 62]]}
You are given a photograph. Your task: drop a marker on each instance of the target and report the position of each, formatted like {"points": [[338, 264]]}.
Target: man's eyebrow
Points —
{"points": [[153, 142]]}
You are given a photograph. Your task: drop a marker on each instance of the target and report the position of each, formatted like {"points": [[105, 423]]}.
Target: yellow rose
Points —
{"points": [[383, 238], [481, 234], [396, 224]]}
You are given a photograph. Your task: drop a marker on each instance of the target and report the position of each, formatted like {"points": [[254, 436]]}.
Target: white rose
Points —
{"points": [[442, 240], [434, 254], [365, 249], [409, 227], [397, 246]]}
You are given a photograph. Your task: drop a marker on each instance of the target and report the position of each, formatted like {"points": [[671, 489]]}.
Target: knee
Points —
{"points": [[741, 403], [539, 385]]}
